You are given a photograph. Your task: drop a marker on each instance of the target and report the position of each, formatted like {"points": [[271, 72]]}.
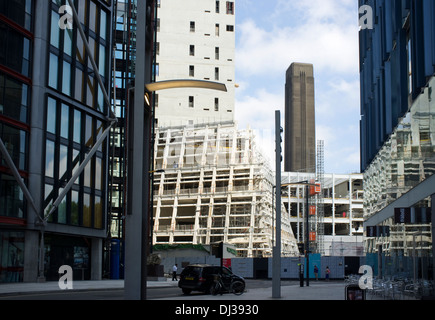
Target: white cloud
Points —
{"points": [[328, 43], [321, 32]]}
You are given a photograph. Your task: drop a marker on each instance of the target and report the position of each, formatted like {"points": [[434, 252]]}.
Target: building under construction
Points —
{"points": [[335, 214], [212, 185]]}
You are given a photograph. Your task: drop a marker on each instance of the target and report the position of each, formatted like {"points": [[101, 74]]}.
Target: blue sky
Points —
{"points": [[270, 36]]}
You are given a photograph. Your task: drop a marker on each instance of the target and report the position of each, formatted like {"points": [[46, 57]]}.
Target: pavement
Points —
{"points": [[321, 290]]}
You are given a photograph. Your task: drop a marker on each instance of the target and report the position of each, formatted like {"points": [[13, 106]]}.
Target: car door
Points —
{"points": [[227, 276]]}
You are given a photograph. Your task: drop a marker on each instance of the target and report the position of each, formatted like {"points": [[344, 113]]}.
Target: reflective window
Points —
{"points": [[67, 43], [15, 50], [98, 212], [74, 208], [53, 71], [66, 78], [98, 173], [78, 94], [51, 116], [14, 98], [77, 126], [11, 255], [12, 202], [55, 30], [19, 11], [87, 212], [49, 159], [103, 25], [63, 163], [64, 124], [406, 158], [62, 210], [85, 88], [15, 141]]}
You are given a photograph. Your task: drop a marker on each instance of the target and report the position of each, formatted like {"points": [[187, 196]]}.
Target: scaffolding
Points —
{"points": [[320, 199], [212, 185]]}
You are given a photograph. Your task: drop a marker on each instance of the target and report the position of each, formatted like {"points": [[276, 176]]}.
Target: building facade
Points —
{"points": [[342, 213], [53, 112], [300, 122], [202, 34], [397, 133], [213, 185]]}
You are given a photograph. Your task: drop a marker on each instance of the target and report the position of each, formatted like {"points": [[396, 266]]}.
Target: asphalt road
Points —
{"points": [[153, 293]]}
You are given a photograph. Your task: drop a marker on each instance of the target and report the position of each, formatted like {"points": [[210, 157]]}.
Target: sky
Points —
{"points": [[275, 33]]}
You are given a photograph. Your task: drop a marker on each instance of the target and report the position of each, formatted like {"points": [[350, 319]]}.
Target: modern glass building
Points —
{"points": [[52, 112], [397, 65]]}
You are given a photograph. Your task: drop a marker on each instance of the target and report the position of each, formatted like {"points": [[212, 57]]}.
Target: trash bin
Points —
{"points": [[115, 250]]}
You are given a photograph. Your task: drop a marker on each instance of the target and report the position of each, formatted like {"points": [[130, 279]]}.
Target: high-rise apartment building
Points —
{"points": [[52, 111], [300, 122], [397, 59], [195, 40]]}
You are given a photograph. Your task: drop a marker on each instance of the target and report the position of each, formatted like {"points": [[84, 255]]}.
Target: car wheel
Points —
{"points": [[186, 291]]}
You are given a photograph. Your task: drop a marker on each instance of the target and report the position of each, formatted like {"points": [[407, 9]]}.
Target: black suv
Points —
{"points": [[200, 277]]}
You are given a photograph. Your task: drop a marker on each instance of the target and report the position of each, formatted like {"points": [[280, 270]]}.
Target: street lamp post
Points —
{"points": [[139, 176]]}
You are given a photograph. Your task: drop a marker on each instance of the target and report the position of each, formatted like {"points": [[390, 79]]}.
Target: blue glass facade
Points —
{"points": [[397, 59], [397, 68]]}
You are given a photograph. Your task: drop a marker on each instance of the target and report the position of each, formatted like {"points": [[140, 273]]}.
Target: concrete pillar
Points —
{"points": [[31, 256], [36, 140], [96, 259]]}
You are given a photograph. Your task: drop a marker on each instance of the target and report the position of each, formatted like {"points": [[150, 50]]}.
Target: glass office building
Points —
{"points": [[52, 111], [397, 65]]}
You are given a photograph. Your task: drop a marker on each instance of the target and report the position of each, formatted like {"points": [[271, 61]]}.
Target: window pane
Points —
{"points": [[100, 130], [88, 174], [24, 103], [87, 215], [89, 134], [103, 24], [100, 102], [49, 159], [61, 210], [13, 98], [78, 94], [90, 86], [23, 145], [102, 61], [51, 116], [63, 162], [52, 78], [15, 143], [80, 55], [11, 198], [66, 78], [55, 30], [48, 190], [93, 48], [98, 219], [64, 128], [93, 18], [77, 126], [76, 163], [67, 44], [74, 207], [98, 175]]}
